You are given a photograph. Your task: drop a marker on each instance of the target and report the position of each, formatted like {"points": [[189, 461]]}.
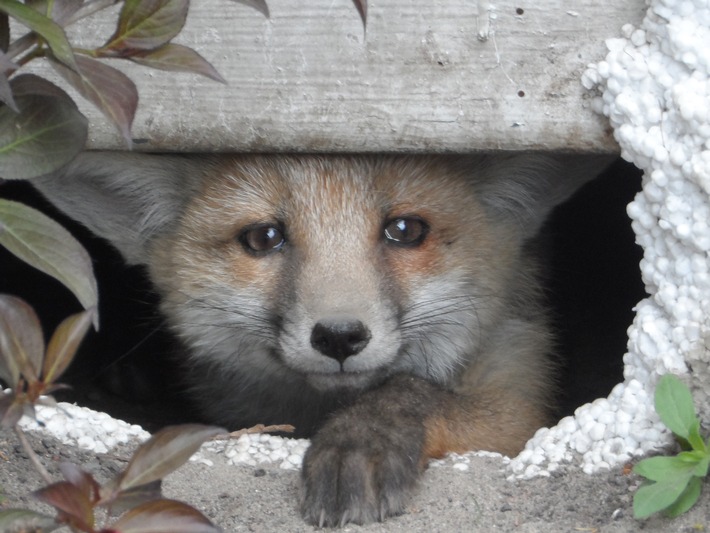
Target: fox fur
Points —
{"points": [[387, 306]]}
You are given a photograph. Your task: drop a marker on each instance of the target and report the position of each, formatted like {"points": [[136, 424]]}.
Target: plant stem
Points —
{"points": [[32, 455], [21, 45]]}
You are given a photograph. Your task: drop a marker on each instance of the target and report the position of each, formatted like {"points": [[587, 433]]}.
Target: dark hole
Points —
{"points": [[521, 93], [125, 369], [594, 283], [519, 11]]}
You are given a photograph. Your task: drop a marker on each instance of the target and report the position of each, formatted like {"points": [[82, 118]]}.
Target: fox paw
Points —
{"points": [[360, 469]]}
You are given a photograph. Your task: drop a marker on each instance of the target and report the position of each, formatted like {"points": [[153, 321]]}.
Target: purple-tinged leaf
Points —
{"points": [[47, 133], [40, 241], [259, 5], [361, 6], [21, 342], [10, 411], [62, 10], [177, 58], [164, 516], [120, 501], [29, 84], [146, 24], [165, 451], [7, 66], [26, 521], [73, 505], [110, 90], [64, 343], [50, 31], [83, 481]]}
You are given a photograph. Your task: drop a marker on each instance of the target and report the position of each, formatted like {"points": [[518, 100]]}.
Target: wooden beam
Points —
{"points": [[426, 76]]}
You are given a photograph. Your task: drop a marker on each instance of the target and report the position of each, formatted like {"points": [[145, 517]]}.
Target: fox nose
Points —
{"points": [[340, 339]]}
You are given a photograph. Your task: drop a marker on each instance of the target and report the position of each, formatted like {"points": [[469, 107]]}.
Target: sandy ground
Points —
{"points": [[264, 498]]}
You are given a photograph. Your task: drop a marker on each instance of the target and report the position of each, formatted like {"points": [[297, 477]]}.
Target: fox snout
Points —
{"points": [[340, 338]]}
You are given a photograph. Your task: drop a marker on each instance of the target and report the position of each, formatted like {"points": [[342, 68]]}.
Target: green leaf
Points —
{"points": [[110, 90], [49, 30], [40, 241], [24, 521], [147, 24], [663, 468], [701, 470], [687, 499], [657, 496], [259, 5], [177, 58], [164, 516], [674, 405], [165, 451], [21, 341], [695, 439], [47, 133], [64, 344], [692, 456]]}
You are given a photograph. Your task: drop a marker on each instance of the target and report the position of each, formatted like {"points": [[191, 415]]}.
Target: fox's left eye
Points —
{"points": [[262, 238], [406, 231]]}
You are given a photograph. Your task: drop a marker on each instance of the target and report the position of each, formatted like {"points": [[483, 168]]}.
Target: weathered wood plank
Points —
{"points": [[421, 79]]}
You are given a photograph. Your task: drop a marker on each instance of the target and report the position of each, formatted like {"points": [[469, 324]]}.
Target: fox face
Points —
{"points": [[387, 306], [341, 271]]}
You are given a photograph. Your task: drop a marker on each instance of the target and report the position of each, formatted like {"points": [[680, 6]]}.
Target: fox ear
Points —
{"points": [[126, 198], [525, 188]]}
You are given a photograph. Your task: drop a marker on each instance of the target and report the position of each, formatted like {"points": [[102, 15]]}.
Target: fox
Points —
{"points": [[389, 307]]}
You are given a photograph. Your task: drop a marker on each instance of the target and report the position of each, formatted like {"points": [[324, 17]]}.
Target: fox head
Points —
{"points": [[324, 273]]}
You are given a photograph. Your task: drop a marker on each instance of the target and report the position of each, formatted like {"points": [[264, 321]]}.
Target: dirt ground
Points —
{"points": [[264, 498]]}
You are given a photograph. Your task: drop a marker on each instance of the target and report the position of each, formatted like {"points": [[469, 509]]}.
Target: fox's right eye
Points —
{"points": [[262, 238]]}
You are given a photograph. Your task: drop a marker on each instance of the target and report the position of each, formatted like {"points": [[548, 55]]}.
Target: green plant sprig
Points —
{"points": [[674, 483]]}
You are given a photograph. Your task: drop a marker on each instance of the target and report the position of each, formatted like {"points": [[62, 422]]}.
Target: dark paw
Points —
{"points": [[361, 467]]}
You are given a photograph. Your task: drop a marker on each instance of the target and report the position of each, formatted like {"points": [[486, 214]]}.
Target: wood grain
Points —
{"points": [[426, 76]]}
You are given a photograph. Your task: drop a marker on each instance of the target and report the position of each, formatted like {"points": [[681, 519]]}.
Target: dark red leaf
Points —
{"points": [[177, 58], [110, 90], [83, 481], [120, 501], [165, 451], [259, 5], [10, 410], [64, 344], [164, 516], [361, 6], [147, 24], [21, 341], [75, 508]]}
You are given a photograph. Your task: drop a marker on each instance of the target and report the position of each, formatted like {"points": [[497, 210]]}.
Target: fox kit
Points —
{"points": [[387, 306]]}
